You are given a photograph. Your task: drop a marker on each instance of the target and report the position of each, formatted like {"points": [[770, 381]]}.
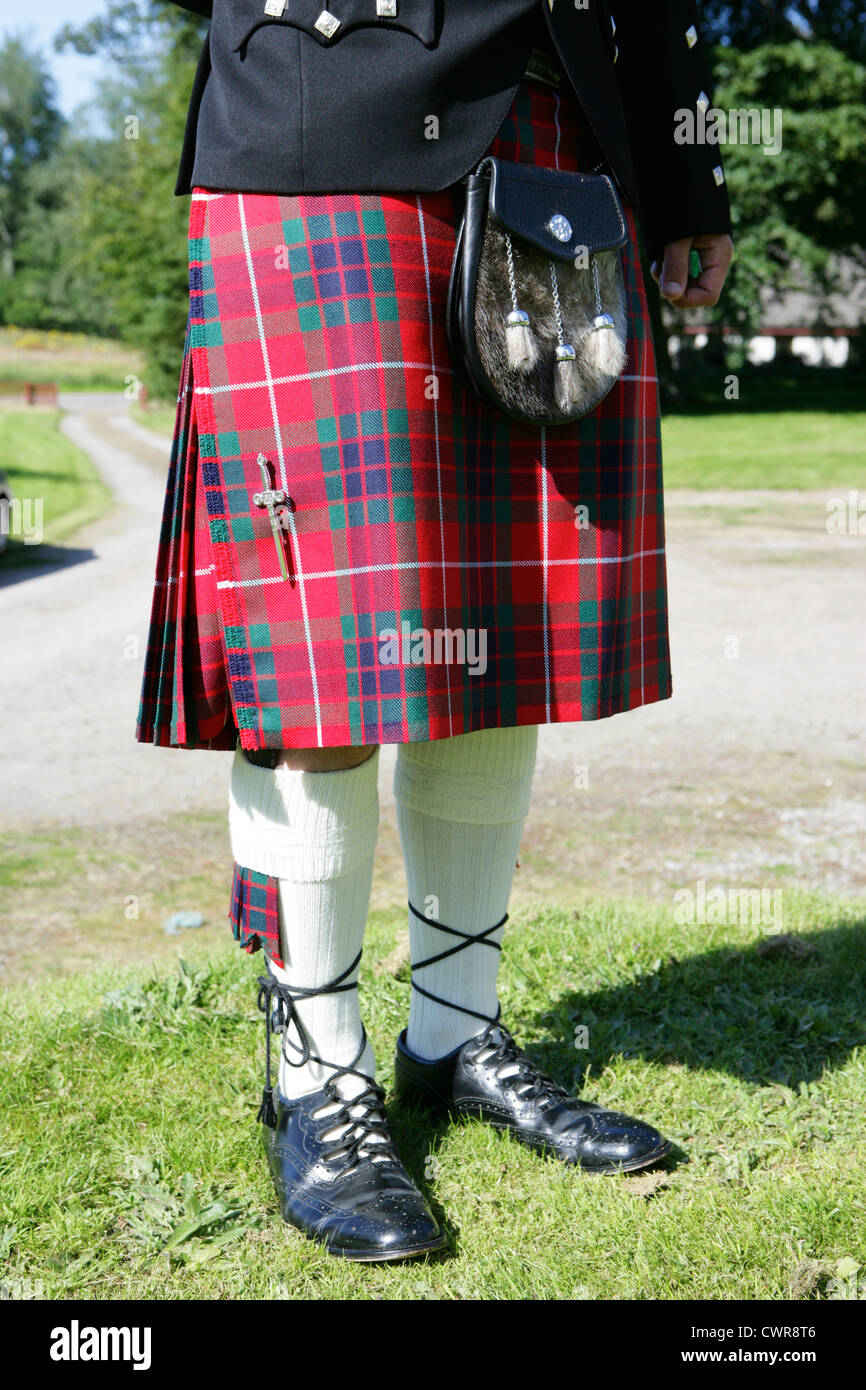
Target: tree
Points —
{"points": [[58, 282], [135, 229], [30, 128], [794, 209]]}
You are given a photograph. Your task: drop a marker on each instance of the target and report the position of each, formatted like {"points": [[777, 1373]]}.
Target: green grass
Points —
{"points": [[732, 449], [43, 465], [791, 427], [159, 418], [131, 1163]]}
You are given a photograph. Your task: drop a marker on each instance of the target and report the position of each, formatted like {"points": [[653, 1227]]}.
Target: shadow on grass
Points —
{"points": [[777, 1012], [694, 390]]}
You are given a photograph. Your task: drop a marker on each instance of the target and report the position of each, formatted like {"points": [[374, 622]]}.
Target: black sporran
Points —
{"points": [[536, 315]]}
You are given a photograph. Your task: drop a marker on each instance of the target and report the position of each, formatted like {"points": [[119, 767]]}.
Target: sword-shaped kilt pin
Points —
{"points": [[271, 498]]}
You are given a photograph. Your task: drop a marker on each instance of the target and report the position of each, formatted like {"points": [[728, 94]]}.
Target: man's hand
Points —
{"points": [[716, 252]]}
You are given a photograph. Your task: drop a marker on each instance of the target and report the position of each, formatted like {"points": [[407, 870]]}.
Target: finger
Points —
{"points": [[715, 248], [675, 269], [707, 290], [716, 262], [716, 253]]}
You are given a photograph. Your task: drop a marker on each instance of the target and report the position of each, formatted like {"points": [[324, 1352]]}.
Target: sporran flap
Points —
{"points": [[560, 215]]}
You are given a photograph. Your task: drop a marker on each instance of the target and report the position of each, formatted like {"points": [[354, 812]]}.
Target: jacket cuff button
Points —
{"points": [[327, 24]]}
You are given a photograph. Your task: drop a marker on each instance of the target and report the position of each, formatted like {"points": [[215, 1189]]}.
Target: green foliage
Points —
{"points": [[792, 210], [102, 243], [155, 1217], [58, 283], [30, 127], [135, 229]]}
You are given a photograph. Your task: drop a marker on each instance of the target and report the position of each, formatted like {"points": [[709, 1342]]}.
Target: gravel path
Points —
{"points": [[767, 717], [77, 633]]}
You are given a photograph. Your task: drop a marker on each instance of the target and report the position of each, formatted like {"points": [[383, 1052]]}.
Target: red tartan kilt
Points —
{"points": [[316, 339]]}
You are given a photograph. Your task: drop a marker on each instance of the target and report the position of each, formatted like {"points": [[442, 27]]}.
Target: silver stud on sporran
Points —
{"points": [[559, 226]]}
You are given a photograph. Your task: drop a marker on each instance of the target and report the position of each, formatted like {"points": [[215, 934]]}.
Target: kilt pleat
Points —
{"points": [[184, 699], [316, 339]]}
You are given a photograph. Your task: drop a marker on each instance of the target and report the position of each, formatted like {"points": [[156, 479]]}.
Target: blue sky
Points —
{"points": [[39, 21]]}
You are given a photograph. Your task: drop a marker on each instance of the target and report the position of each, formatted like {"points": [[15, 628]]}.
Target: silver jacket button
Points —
{"points": [[327, 24], [691, 36], [719, 175]]}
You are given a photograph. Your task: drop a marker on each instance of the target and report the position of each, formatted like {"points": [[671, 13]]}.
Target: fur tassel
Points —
{"points": [[600, 352], [520, 342], [567, 387], [605, 348]]}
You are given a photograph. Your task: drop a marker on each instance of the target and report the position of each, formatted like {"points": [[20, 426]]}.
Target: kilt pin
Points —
{"points": [[334, 493]]}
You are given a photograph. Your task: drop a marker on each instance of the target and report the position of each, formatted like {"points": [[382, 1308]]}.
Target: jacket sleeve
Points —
{"points": [[662, 69], [202, 7]]}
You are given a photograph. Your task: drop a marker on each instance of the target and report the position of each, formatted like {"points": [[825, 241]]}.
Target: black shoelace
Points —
{"points": [[277, 1002], [526, 1077], [466, 939], [530, 1082]]}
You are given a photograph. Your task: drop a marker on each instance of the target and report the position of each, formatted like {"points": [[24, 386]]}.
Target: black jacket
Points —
{"points": [[409, 102]]}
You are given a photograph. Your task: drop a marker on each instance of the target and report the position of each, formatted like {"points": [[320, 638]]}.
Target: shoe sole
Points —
{"points": [[623, 1166], [434, 1104], [383, 1257], [410, 1252]]}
